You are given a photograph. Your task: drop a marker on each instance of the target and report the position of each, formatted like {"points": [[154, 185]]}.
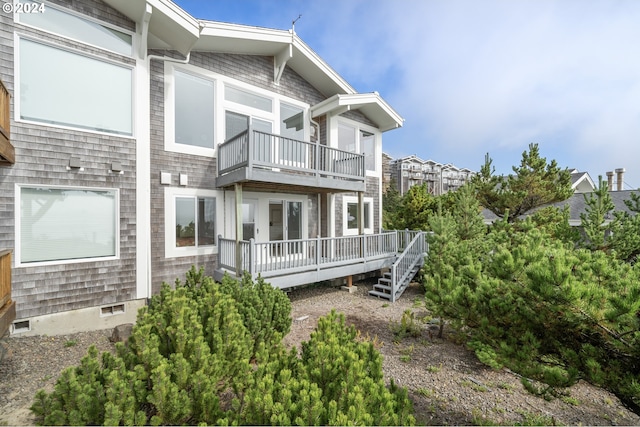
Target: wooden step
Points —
{"points": [[382, 287], [380, 295], [384, 280]]}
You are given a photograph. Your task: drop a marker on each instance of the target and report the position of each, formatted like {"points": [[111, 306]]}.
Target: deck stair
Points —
{"points": [[408, 263]]}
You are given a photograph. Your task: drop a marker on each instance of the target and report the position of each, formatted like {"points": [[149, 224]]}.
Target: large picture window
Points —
{"points": [[76, 90], [83, 29], [57, 224]]}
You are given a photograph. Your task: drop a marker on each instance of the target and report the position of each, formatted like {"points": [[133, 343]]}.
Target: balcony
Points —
{"points": [[7, 152], [260, 160]]}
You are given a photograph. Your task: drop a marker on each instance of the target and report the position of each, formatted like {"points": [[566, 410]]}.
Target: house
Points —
{"points": [[581, 182], [144, 141], [439, 178]]}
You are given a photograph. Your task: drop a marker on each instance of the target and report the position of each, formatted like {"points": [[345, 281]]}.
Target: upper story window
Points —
{"points": [[194, 112], [203, 109], [358, 138], [248, 99], [66, 88], [79, 28]]}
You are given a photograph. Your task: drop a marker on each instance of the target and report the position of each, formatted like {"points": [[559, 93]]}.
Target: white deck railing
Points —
{"points": [[253, 148], [412, 255], [294, 256]]}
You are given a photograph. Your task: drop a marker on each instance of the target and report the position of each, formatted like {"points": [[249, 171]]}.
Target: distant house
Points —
{"points": [[439, 178], [581, 182], [577, 206], [144, 141]]}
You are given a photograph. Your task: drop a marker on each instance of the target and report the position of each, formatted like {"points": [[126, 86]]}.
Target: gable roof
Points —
{"points": [[581, 180], [577, 205], [170, 27]]}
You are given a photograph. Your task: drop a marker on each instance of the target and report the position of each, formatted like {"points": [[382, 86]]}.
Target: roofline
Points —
{"points": [[346, 102]]}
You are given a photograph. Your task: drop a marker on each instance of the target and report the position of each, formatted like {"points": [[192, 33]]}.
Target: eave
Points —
{"points": [[170, 27], [370, 104]]}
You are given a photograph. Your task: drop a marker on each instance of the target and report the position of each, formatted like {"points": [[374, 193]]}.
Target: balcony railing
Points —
{"points": [[7, 152], [254, 149], [294, 256]]}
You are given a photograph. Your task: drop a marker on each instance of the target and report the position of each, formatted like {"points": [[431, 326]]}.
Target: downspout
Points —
{"points": [[146, 18]]}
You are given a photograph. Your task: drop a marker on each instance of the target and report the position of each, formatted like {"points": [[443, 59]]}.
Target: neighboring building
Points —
{"points": [[386, 172], [439, 178], [581, 182], [147, 141]]}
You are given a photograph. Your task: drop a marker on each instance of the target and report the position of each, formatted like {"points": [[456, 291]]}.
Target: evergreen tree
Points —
{"points": [[625, 231], [391, 200], [598, 209], [415, 209], [534, 183], [211, 354]]}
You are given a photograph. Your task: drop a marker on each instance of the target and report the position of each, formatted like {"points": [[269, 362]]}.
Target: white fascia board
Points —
{"points": [[218, 31], [584, 177], [175, 27], [319, 63], [386, 117], [177, 15]]}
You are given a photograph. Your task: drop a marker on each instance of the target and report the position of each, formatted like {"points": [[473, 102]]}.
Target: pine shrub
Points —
{"points": [[198, 355]]}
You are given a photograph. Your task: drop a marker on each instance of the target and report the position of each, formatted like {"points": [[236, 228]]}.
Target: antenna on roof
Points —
{"points": [[293, 23]]}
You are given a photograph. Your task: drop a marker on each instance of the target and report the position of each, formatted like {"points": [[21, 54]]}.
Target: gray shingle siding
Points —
{"points": [[42, 155]]}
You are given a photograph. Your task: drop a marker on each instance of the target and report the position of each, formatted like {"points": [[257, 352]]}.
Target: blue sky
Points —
{"points": [[472, 77]]}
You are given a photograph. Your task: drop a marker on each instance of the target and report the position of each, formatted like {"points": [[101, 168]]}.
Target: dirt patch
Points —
{"points": [[445, 381]]}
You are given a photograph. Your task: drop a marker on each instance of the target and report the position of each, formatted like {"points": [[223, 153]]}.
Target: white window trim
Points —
{"points": [[18, 239], [333, 131], [220, 107], [16, 98], [346, 231], [170, 194], [16, 18]]}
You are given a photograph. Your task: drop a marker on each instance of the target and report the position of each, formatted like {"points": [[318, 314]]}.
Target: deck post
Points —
{"points": [[318, 250], [361, 221], [252, 257], [238, 192]]}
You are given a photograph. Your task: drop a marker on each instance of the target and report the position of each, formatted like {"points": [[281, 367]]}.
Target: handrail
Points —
{"points": [[282, 256], [406, 261], [262, 149]]}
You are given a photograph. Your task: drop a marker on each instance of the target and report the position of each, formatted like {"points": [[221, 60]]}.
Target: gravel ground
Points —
{"points": [[445, 381]]}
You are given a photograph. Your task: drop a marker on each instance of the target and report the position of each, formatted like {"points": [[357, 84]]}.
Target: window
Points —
{"points": [[79, 28], [194, 110], [350, 219], [352, 138], [248, 99], [204, 109], [195, 221], [61, 224], [76, 90], [191, 220]]}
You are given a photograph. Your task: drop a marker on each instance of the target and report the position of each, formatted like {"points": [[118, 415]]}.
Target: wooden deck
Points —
{"points": [[289, 263], [7, 305], [262, 159], [7, 152]]}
